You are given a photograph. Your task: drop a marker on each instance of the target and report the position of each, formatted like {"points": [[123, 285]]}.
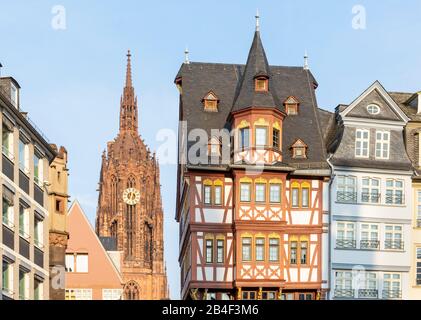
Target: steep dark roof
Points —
{"points": [[401, 98], [223, 79], [257, 65]]}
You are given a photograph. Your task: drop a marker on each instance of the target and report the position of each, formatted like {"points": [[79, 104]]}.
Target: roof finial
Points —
{"points": [[257, 16], [186, 56], [129, 70], [306, 67]]}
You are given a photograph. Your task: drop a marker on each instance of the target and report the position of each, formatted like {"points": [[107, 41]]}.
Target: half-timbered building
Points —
{"points": [[252, 202]]}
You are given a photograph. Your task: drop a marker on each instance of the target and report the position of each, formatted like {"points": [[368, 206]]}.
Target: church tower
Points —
{"points": [[129, 214]]}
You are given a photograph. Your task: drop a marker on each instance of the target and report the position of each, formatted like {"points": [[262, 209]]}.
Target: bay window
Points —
{"points": [[244, 138], [276, 139]]}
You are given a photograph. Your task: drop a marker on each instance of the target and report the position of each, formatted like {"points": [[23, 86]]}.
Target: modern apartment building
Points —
{"points": [[370, 199], [24, 176]]}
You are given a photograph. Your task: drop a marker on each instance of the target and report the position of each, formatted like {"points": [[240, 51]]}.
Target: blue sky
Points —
{"points": [[72, 79]]}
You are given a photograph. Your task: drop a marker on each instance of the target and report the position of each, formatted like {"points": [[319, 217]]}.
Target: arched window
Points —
{"points": [[131, 182], [131, 291], [114, 192]]}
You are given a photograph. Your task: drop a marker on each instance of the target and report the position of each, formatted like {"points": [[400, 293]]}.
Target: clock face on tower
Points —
{"points": [[131, 196]]}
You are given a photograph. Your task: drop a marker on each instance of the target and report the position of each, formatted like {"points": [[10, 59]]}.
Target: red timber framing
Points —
{"points": [[289, 234]]}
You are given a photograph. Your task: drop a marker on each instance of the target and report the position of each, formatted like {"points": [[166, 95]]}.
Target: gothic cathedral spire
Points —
{"points": [[128, 103]]}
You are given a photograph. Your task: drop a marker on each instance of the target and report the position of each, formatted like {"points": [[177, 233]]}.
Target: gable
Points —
{"points": [[298, 143], [101, 271], [291, 100], [375, 95]]}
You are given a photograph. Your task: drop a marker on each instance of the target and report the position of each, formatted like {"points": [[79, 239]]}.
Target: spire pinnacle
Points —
{"points": [[129, 70], [257, 16], [306, 66], [186, 56]]}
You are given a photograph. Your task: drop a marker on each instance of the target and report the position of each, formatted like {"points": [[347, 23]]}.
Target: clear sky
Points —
{"points": [[72, 79]]}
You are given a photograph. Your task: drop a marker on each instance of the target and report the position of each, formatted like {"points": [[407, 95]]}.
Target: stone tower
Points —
{"points": [[129, 209]]}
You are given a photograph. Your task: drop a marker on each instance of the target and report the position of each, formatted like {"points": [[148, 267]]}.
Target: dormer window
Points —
{"points": [[291, 105], [299, 149], [261, 83], [210, 102]]}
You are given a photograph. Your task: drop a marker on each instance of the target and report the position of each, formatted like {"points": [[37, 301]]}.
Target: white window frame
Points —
{"points": [[112, 294], [207, 194], [274, 249], [418, 266], [259, 247], [25, 295], [258, 138], [24, 163], [371, 188], [346, 228], [275, 190], [8, 150], [391, 278], [70, 262], [39, 177], [371, 107], [9, 289], [217, 195], [260, 192], [10, 222], [382, 144], [24, 230], [347, 184], [344, 281], [242, 195], [82, 262], [39, 233], [394, 189], [394, 234], [418, 217], [359, 151], [370, 232]]}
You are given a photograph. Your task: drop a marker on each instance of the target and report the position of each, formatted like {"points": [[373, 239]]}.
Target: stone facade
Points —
{"points": [[129, 205]]}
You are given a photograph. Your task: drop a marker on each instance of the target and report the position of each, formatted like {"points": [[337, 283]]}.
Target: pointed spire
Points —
{"points": [[306, 66], [186, 56], [257, 16], [257, 66], [128, 102], [129, 70]]}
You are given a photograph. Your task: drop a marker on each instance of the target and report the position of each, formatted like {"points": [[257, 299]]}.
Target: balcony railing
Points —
{"points": [[394, 245], [346, 243], [395, 199], [392, 294], [344, 293], [370, 244], [346, 197], [372, 197], [368, 293]]}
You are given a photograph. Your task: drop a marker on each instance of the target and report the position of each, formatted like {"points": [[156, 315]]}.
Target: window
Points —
{"points": [[291, 106], [393, 237], [371, 190], [77, 262], [38, 232], [38, 290], [418, 271], [343, 284], [38, 170], [7, 283], [392, 286], [299, 149], [369, 236], [373, 109], [220, 251], [273, 249], [23, 156], [249, 295], [261, 136], [275, 138], [295, 197], [347, 189], [246, 249], [303, 252], [261, 84], [382, 144], [8, 215], [362, 142], [78, 294], [269, 295], [345, 235], [218, 195], [209, 250], [59, 206], [7, 142], [394, 191], [370, 285], [305, 195], [82, 262], [260, 192], [23, 221], [293, 252], [210, 102], [244, 138], [112, 294], [245, 192], [275, 193], [23, 285], [207, 190], [305, 296], [260, 249]]}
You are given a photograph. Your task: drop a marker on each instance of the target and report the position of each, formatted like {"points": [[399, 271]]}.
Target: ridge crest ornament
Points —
{"points": [[131, 196]]}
